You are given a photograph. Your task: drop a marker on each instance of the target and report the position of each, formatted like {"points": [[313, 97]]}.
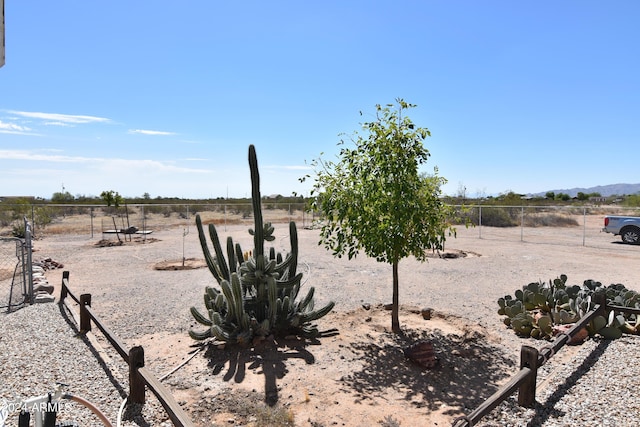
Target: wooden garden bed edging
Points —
{"points": [[139, 375], [531, 359]]}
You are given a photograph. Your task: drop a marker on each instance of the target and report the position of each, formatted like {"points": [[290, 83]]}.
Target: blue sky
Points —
{"points": [[165, 97]]}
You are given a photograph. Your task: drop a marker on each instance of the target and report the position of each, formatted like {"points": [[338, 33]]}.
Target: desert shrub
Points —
{"points": [[18, 230], [43, 217], [550, 220], [389, 421], [241, 209], [267, 416], [632, 200], [153, 209], [6, 217], [491, 216]]}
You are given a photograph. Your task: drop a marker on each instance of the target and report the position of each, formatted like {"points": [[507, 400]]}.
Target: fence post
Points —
{"points": [[522, 223], [29, 247], [601, 299], [85, 320], [136, 382], [584, 225], [527, 390], [63, 288]]}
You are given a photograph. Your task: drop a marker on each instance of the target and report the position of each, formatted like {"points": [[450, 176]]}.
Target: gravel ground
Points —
{"points": [[28, 339], [594, 388], [589, 385]]}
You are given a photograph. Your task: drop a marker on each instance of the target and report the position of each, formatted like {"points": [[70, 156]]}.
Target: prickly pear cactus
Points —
{"points": [[537, 308], [258, 290]]}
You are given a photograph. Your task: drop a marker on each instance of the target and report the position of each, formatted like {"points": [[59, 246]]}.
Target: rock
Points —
{"points": [[422, 354], [426, 313], [43, 288], [43, 298]]}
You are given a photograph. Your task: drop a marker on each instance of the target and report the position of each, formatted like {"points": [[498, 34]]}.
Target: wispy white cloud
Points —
{"points": [[34, 155], [145, 165], [150, 132], [61, 124], [57, 119], [104, 163], [13, 128]]}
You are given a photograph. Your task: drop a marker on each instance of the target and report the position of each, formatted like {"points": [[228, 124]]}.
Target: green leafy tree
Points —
{"points": [[112, 198], [375, 199], [62, 197], [550, 195]]}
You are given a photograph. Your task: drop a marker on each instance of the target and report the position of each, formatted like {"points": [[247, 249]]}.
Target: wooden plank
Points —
{"points": [[527, 389], [175, 412], [530, 367], [496, 398], [136, 381], [85, 317], [560, 340], [65, 286], [620, 308], [124, 232], [139, 375], [110, 336], [64, 290]]}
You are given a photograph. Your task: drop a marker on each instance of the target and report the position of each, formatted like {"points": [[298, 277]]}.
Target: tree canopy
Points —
{"points": [[375, 199]]}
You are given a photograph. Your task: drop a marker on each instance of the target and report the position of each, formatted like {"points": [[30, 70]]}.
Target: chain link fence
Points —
{"points": [[16, 286], [104, 221], [576, 224]]}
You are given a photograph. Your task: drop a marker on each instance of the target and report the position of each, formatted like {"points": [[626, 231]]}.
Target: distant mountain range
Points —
{"points": [[604, 190]]}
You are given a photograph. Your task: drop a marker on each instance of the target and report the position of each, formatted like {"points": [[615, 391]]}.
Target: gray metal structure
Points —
{"points": [[16, 275]]}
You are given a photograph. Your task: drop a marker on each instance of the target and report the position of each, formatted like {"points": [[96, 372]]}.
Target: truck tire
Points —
{"points": [[630, 235]]}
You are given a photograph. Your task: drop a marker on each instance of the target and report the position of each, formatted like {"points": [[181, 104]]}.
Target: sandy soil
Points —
{"points": [[358, 375]]}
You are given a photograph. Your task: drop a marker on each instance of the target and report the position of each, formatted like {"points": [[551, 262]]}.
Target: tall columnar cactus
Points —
{"points": [[257, 295]]}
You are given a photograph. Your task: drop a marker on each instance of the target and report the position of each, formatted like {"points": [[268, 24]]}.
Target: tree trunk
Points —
{"points": [[395, 304]]}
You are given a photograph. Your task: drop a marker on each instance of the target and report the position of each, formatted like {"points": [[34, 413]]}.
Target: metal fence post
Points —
{"points": [[584, 225], [522, 223], [29, 250]]}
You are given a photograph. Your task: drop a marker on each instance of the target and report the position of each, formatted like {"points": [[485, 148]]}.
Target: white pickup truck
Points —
{"points": [[628, 227]]}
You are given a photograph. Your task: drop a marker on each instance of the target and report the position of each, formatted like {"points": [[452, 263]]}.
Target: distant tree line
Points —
{"points": [[110, 197]]}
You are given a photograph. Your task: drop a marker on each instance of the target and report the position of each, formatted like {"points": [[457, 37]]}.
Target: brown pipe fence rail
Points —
{"points": [[139, 375], [524, 381], [531, 359]]}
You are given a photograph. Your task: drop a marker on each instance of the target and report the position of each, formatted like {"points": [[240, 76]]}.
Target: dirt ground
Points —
{"points": [[356, 374]]}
